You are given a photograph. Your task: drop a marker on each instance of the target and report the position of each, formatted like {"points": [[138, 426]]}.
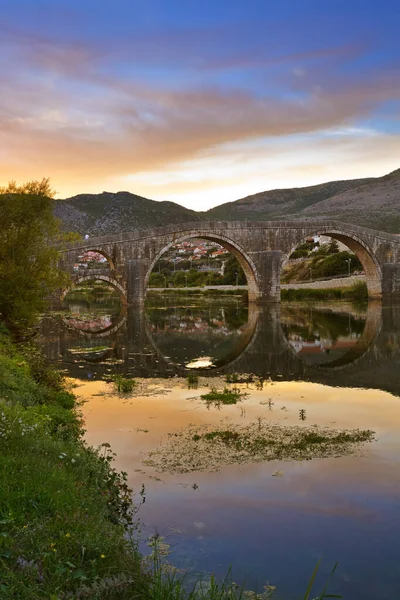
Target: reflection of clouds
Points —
{"points": [[202, 362], [361, 487]]}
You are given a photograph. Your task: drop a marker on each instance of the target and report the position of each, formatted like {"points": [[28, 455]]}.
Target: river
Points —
{"points": [[329, 365]]}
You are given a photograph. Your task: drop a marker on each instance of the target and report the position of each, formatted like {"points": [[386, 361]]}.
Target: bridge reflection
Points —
{"points": [[355, 348]]}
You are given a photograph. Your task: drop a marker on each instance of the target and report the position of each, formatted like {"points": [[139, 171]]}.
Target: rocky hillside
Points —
{"points": [[372, 202], [101, 214]]}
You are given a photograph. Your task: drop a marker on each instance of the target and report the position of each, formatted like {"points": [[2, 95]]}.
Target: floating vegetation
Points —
{"points": [[226, 396], [302, 414], [123, 385], [204, 449], [192, 381]]}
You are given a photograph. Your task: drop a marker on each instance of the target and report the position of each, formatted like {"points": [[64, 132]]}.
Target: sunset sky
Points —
{"points": [[198, 102]]}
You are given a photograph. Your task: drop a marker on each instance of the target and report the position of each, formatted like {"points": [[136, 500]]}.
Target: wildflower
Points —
{"points": [[25, 527], [67, 535], [52, 545], [102, 555]]}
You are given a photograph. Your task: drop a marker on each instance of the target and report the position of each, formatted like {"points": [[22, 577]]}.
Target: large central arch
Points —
{"points": [[365, 255], [243, 258]]}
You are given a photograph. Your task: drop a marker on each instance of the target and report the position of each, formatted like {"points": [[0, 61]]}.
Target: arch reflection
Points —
{"points": [[93, 309], [194, 335], [329, 337]]}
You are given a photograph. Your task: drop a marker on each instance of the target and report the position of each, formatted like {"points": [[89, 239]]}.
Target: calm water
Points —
{"points": [[339, 363]]}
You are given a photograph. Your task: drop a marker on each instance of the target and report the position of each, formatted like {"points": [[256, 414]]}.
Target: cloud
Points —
{"points": [[65, 113]]}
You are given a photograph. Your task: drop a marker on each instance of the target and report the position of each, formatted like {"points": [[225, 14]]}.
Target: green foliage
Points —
{"points": [[227, 396], [33, 188], [303, 250], [335, 264], [193, 380], [299, 253], [123, 385], [232, 267], [28, 258], [63, 509], [357, 293], [181, 275], [333, 247]]}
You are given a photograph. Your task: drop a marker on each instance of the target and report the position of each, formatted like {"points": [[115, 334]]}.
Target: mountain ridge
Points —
{"points": [[372, 202]]}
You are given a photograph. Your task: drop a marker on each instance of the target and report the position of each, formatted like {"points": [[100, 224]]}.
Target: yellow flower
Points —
{"points": [[67, 535], [102, 555], [52, 545], [25, 527], [54, 550]]}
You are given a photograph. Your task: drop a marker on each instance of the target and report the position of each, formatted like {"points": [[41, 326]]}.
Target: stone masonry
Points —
{"points": [[261, 249]]}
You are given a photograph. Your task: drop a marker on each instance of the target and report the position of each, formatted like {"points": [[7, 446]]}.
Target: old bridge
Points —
{"points": [[261, 248]]}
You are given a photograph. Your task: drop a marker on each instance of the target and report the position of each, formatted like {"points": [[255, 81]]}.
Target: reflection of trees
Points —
{"points": [[92, 308], [314, 324], [183, 334], [101, 296], [181, 319]]}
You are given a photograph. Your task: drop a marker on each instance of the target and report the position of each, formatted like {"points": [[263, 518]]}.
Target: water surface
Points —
{"points": [[270, 521]]}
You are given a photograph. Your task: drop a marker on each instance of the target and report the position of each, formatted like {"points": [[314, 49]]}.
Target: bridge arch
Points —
{"points": [[110, 261], [361, 249], [97, 277], [233, 247]]}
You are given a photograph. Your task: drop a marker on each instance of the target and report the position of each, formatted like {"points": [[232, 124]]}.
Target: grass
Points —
{"points": [[357, 292], [64, 511], [197, 292], [226, 396]]}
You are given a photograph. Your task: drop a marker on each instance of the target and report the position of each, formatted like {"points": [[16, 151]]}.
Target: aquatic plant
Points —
{"points": [[226, 396], [302, 414], [199, 448], [123, 385], [192, 380]]}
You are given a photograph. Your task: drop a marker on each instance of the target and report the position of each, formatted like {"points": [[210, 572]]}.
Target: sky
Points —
{"points": [[198, 102]]}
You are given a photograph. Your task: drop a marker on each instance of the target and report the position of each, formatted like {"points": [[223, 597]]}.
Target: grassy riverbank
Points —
{"points": [[63, 510], [357, 293]]}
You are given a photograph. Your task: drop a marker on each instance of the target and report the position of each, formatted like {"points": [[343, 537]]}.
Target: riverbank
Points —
{"points": [[357, 292], [353, 288], [64, 510]]}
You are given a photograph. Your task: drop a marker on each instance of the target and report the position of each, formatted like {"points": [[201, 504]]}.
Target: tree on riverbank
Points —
{"points": [[28, 257]]}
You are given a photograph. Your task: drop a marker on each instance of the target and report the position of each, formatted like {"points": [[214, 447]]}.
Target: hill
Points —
{"points": [[101, 214], [372, 202]]}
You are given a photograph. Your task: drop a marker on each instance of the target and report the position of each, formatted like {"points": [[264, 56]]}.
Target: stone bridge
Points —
{"points": [[262, 248]]}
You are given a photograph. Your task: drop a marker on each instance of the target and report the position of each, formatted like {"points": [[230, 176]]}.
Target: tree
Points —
{"points": [[28, 256], [333, 247]]}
